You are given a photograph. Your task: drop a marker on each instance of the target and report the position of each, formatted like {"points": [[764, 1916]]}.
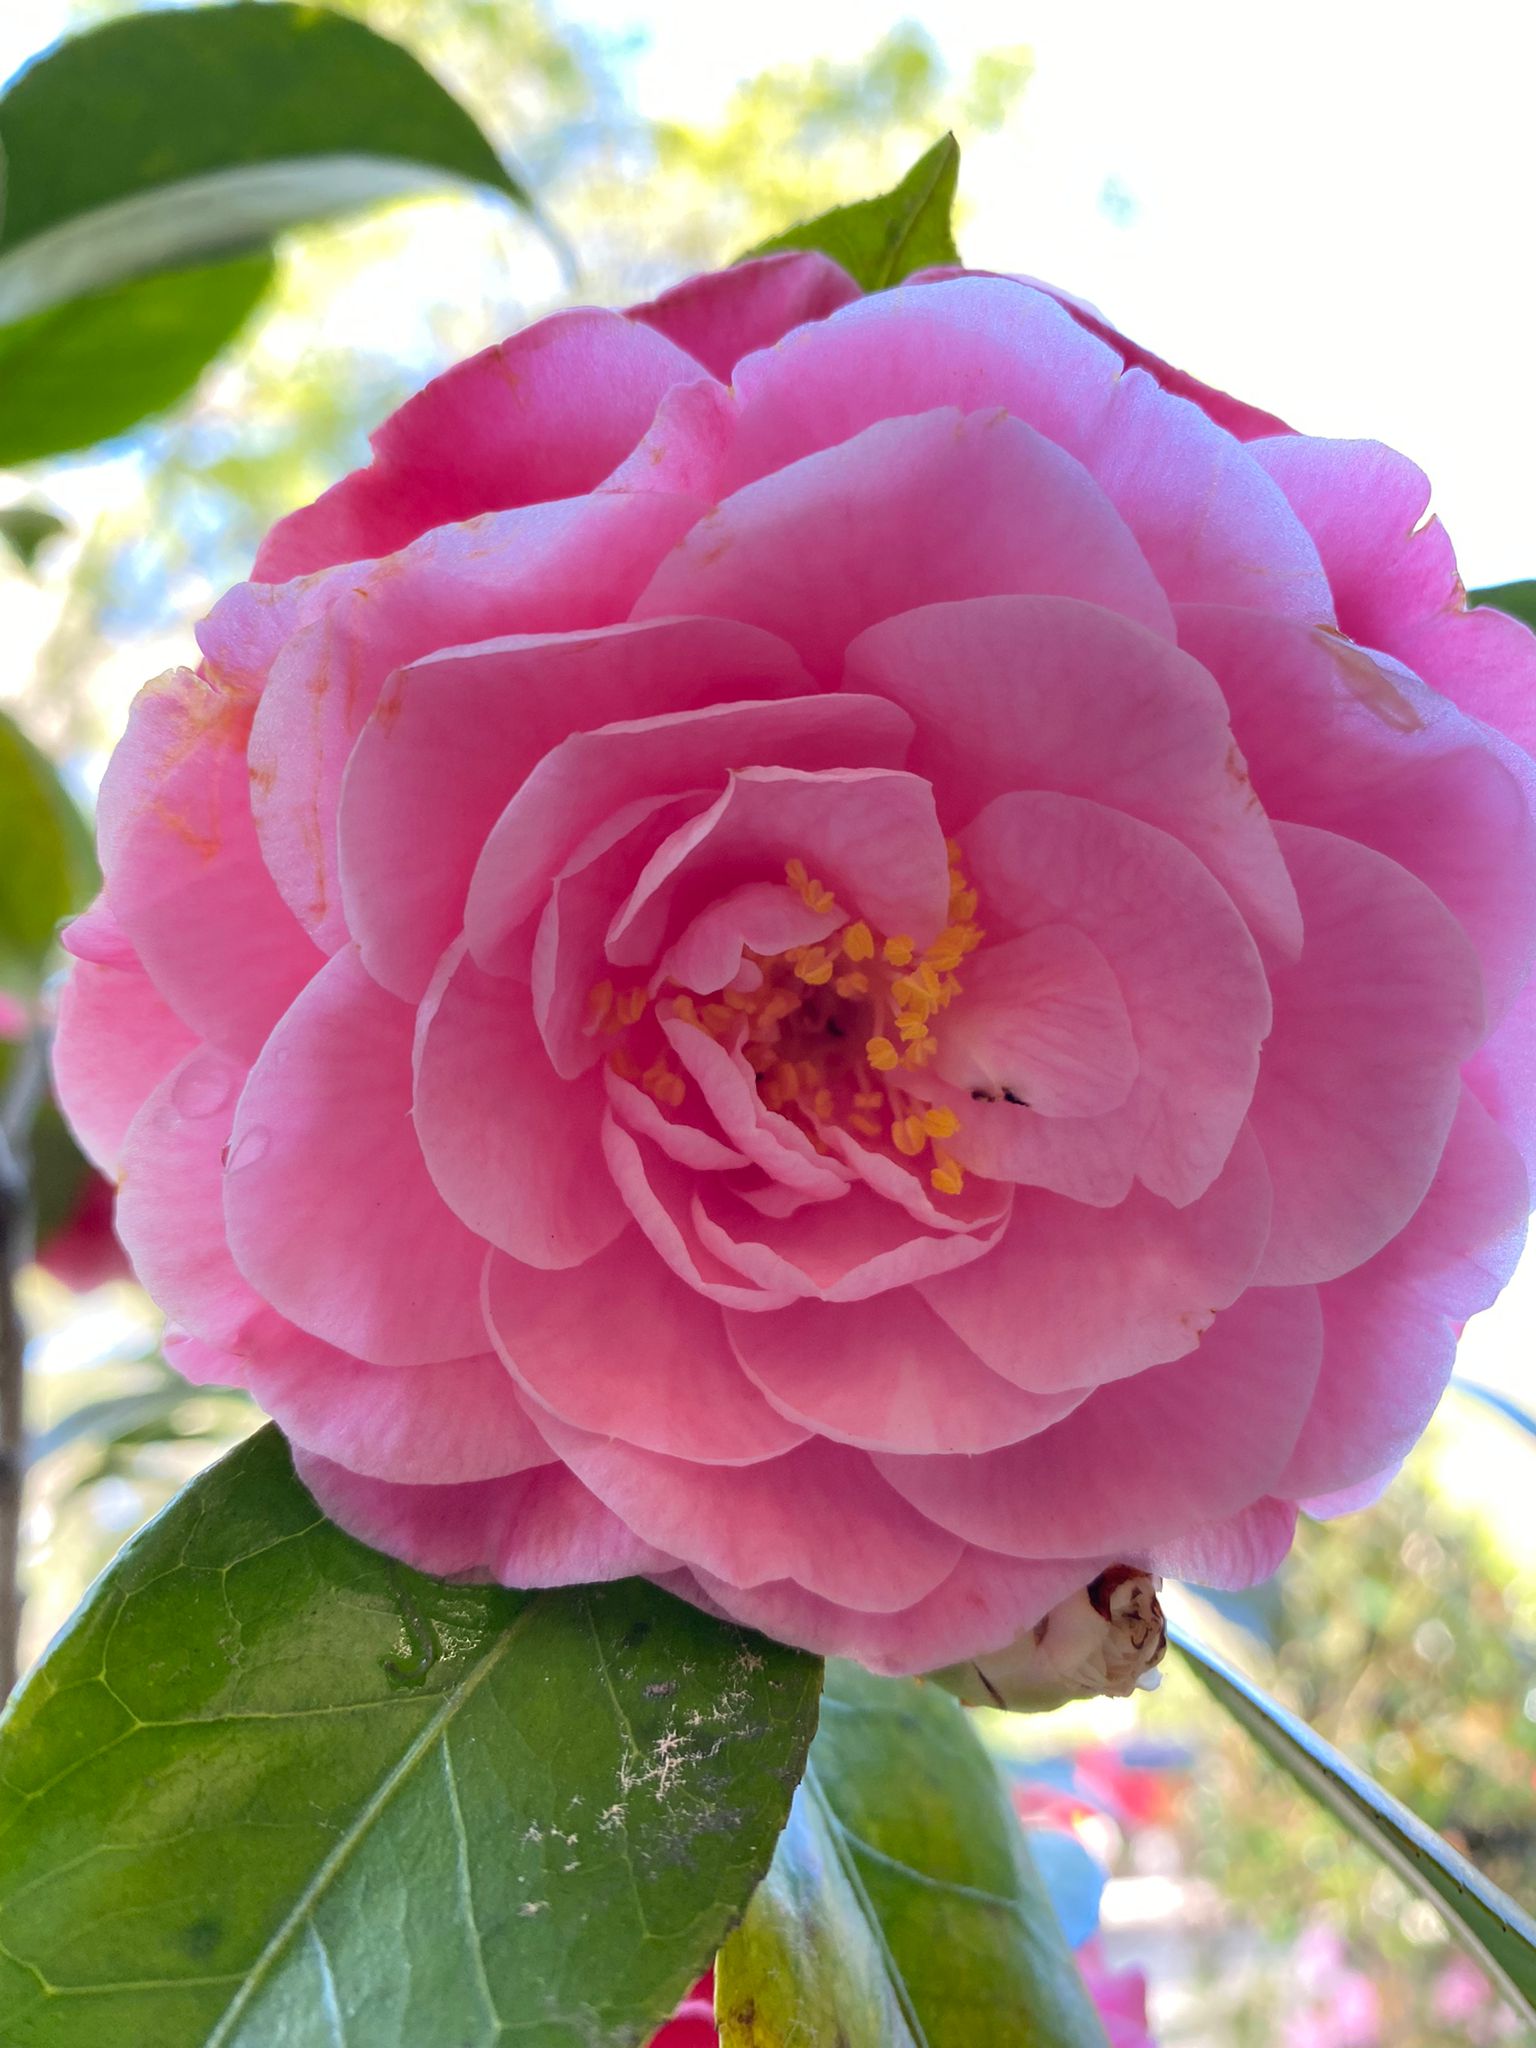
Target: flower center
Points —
{"points": [[830, 1029]]}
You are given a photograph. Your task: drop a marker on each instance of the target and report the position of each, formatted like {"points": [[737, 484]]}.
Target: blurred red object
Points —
{"points": [[80, 1247], [693, 2024]]}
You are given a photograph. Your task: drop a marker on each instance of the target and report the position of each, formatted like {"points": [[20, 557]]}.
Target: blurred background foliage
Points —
{"points": [[1408, 1635]]}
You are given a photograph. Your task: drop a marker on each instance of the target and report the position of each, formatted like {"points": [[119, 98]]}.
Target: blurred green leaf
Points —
{"points": [[151, 161], [46, 865], [1519, 599], [1495, 1932], [86, 371], [27, 528], [881, 241], [902, 1909], [268, 1777]]}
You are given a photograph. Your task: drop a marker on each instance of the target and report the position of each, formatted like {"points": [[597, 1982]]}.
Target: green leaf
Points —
{"points": [[28, 528], [163, 139], [46, 865], [1495, 1932], [881, 241], [95, 367], [902, 1909], [271, 1787], [1518, 599]]}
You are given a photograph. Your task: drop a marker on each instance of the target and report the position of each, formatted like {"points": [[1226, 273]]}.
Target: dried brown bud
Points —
{"points": [[1105, 1639]]}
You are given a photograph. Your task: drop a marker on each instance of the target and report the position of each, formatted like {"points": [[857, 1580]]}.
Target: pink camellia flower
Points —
{"points": [[841, 950]]}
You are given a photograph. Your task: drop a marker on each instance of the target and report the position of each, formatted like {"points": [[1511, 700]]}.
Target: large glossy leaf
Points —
{"points": [[1518, 598], [271, 1788], [881, 241], [46, 864], [81, 373], [1499, 1936], [901, 1909], [162, 139]]}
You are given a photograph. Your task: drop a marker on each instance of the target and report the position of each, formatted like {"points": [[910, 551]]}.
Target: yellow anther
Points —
{"points": [[913, 1029], [898, 951], [940, 1123], [882, 1055], [716, 1017], [684, 1009], [869, 1098], [630, 1007], [795, 874], [908, 1136], [947, 1176], [823, 1105], [859, 942], [786, 1079], [864, 1125], [626, 1068], [850, 985], [814, 967]]}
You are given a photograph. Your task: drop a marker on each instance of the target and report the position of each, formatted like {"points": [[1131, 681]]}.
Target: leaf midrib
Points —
{"points": [[303, 1907]]}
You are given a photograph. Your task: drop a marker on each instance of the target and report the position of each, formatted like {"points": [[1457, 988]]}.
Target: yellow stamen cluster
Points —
{"points": [[787, 1034]]}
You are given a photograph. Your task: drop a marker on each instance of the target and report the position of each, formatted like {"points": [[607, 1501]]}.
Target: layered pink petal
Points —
{"points": [[115, 1039], [1352, 742], [1360, 1075], [250, 626], [820, 1515], [908, 512], [1047, 693], [1390, 1326], [188, 883], [1502, 1074], [1192, 982], [725, 314], [331, 1213], [1200, 1439], [593, 774], [536, 1528], [1205, 513], [476, 721], [670, 1384], [986, 1603], [451, 1424], [1239, 1551], [1393, 573], [512, 1150], [542, 569], [887, 1375], [774, 1142], [1075, 1296], [545, 414]]}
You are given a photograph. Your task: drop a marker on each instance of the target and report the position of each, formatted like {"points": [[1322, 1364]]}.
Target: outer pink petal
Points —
{"points": [[1230, 1554], [538, 1528], [115, 1040], [1198, 1440], [870, 834], [1047, 693], [886, 1375], [454, 735], [668, 1383], [593, 774], [185, 875], [512, 1149], [1360, 1076], [543, 569], [445, 1425], [1394, 577], [1390, 1327], [1074, 1296], [1204, 512], [985, 1603], [546, 414], [331, 1213], [250, 625], [1043, 1019], [820, 1515], [1192, 981], [1353, 742], [725, 314], [907, 512], [1503, 1075]]}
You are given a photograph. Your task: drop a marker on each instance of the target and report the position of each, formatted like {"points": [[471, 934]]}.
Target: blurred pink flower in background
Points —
{"points": [[79, 1248], [1334, 2004], [862, 954]]}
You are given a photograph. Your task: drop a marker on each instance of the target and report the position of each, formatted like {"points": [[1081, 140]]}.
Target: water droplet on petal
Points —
{"points": [[202, 1088], [249, 1147]]}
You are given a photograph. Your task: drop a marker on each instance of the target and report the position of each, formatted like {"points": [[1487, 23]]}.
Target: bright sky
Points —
{"points": [[1326, 206]]}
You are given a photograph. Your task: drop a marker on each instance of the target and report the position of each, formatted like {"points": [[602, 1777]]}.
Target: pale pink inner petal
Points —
{"points": [[512, 1150], [1361, 1074], [666, 1379], [848, 1251], [331, 1213], [722, 315]]}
